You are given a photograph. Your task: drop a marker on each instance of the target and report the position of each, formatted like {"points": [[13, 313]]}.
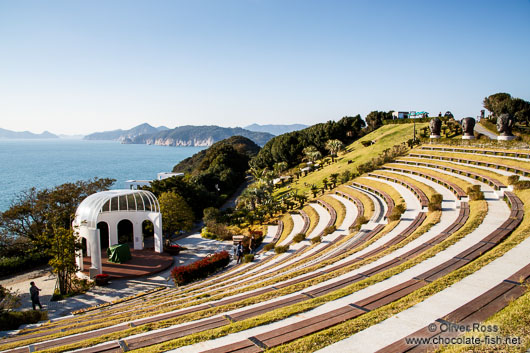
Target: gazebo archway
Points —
{"points": [[124, 213], [104, 240], [125, 232]]}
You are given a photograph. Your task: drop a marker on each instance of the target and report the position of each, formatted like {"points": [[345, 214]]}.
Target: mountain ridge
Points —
{"points": [[9, 134]]}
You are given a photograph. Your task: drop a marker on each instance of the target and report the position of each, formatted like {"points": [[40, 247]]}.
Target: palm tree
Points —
{"points": [[334, 147], [314, 190], [333, 178], [311, 154]]}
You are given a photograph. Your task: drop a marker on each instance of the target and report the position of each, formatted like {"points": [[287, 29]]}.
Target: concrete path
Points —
{"points": [[482, 130]]}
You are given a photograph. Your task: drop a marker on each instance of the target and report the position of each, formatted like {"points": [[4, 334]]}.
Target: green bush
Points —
{"points": [[522, 185], [435, 203], [281, 249], [269, 246], [299, 237], [513, 179], [357, 226], [11, 320], [248, 258], [397, 212], [474, 193], [316, 240], [11, 265], [330, 230]]}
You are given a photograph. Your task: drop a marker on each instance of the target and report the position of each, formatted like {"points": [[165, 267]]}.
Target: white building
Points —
{"points": [[100, 216], [134, 184], [400, 115]]}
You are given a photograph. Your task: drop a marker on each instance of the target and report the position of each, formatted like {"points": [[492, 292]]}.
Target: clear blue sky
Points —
{"points": [[85, 66]]}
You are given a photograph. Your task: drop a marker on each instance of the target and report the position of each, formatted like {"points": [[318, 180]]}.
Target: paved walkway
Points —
{"points": [[298, 225], [482, 130]]}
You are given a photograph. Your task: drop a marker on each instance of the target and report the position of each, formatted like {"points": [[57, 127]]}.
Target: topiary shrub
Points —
{"points": [[330, 230], [474, 193], [299, 237], [281, 249], [522, 185], [269, 246], [435, 203], [358, 223], [513, 179], [248, 258], [316, 240]]}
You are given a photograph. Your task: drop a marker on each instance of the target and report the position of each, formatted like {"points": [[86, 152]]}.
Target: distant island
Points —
{"points": [[276, 129], [8, 134], [187, 135]]}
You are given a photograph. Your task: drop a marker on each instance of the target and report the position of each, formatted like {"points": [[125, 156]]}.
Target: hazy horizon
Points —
{"points": [[78, 68]]}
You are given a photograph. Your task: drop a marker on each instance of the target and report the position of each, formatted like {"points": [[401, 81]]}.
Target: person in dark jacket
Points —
{"points": [[34, 293], [239, 252]]}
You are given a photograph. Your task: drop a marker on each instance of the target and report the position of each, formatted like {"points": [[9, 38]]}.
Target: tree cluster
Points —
{"points": [[289, 147], [504, 103]]}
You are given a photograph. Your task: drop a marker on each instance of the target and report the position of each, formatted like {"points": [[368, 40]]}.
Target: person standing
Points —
{"points": [[239, 252], [34, 293]]}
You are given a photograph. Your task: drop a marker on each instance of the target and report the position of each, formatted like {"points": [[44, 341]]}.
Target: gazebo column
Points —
{"points": [[157, 225], [95, 256], [138, 237]]}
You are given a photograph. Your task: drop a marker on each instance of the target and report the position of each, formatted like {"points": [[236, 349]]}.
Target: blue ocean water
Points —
{"points": [[47, 163]]}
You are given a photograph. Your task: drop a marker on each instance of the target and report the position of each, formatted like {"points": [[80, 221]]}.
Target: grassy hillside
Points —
{"points": [[384, 137]]}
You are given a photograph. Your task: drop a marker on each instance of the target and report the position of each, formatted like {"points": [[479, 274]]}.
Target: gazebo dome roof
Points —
{"points": [[114, 201]]}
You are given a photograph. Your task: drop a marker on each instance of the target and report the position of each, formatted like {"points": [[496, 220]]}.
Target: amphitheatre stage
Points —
{"points": [[144, 262]]}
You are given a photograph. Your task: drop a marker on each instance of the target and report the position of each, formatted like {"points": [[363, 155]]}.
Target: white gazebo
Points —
{"points": [[109, 208]]}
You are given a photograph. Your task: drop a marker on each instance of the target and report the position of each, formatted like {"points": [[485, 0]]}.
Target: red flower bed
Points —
{"points": [[200, 269], [102, 279]]}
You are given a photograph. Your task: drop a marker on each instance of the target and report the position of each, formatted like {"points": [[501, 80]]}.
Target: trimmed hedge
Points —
{"points": [[269, 246], [13, 265], [316, 240], [11, 320], [298, 237], [329, 230], [281, 249], [200, 269], [248, 258]]}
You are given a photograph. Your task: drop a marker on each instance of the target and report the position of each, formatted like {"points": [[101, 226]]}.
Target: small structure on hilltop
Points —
{"points": [[111, 217], [505, 123], [468, 128]]}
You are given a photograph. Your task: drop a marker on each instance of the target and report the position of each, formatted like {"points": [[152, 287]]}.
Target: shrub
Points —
{"points": [[200, 269], [11, 320], [366, 143], [330, 230], [299, 237], [522, 185], [14, 264], [360, 221], [281, 249], [269, 246], [435, 203], [316, 240], [345, 176], [397, 212], [474, 193], [513, 179], [248, 258]]}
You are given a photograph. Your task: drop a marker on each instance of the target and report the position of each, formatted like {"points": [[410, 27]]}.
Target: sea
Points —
{"points": [[51, 162]]}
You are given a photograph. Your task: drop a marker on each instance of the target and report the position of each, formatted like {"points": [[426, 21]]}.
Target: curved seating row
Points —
{"points": [[388, 200], [424, 200], [496, 184], [478, 151], [496, 165]]}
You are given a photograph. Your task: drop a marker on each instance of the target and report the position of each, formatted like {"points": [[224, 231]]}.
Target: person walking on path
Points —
{"points": [[239, 252], [34, 293]]}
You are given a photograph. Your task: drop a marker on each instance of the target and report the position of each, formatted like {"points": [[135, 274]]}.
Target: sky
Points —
{"points": [[76, 67]]}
